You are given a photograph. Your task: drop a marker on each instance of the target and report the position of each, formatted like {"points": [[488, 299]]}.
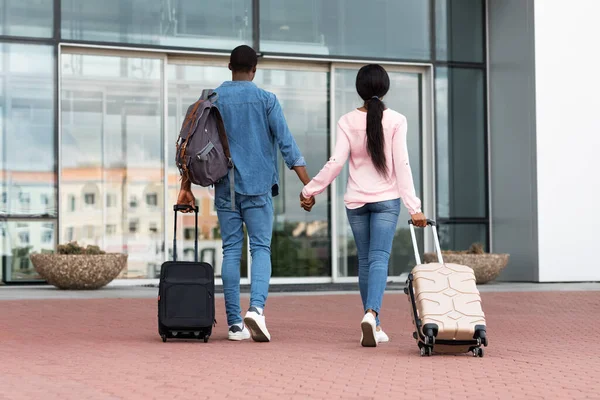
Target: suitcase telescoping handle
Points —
{"points": [[438, 250], [185, 207]]}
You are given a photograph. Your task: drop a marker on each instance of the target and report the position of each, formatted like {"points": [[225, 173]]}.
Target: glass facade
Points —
{"points": [[382, 29], [26, 18], [221, 24], [109, 157]]}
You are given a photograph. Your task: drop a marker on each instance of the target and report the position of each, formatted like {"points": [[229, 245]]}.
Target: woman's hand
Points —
{"points": [[419, 220], [307, 203]]}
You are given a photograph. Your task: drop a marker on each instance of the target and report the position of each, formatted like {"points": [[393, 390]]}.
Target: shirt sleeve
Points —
{"points": [[333, 167], [403, 171], [286, 142]]}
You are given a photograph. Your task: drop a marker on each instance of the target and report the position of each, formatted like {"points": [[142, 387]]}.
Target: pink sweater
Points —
{"points": [[365, 184]]}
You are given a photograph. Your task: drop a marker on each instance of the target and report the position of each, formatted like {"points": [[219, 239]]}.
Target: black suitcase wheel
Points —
{"points": [[478, 352], [426, 351], [163, 337], [206, 338]]}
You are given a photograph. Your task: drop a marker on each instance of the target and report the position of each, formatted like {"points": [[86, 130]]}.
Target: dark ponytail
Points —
{"points": [[372, 83]]}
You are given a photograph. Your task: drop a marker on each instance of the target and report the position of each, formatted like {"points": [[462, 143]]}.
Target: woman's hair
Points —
{"points": [[372, 83]]}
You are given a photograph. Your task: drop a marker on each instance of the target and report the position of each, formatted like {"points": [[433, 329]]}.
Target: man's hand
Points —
{"points": [[419, 220], [307, 203], [186, 197]]}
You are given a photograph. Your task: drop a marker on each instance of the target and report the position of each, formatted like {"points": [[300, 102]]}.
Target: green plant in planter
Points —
{"points": [[476, 248], [74, 248]]}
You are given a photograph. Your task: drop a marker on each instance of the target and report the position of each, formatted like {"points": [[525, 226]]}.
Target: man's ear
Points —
{"points": [[229, 66], [254, 69]]}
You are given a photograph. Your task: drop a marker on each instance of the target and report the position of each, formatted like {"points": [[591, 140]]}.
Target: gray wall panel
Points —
{"points": [[512, 136]]}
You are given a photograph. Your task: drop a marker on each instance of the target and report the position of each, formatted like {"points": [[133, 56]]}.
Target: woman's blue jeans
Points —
{"points": [[373, 226]]}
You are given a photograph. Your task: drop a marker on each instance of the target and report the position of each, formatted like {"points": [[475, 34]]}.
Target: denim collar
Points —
{"points": [[238, 83]]}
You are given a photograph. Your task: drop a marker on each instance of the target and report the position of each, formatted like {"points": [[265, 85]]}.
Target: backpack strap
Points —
{"points": [[188, 123], [225, 144]]}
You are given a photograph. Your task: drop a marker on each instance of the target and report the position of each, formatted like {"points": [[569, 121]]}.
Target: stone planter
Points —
{"points": [[486, 266], [76, 272]]}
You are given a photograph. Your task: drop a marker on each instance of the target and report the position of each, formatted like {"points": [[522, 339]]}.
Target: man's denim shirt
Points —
{"points": [[255, 128]]}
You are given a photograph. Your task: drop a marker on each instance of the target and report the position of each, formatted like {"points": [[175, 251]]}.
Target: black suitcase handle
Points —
{"points": [[430, 222], [185, 207]]}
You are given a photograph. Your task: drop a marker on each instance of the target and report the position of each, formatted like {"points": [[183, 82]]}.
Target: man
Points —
{"points": [[255, 127]]}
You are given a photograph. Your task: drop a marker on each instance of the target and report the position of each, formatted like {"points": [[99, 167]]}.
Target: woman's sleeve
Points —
{"points": [[333, 167], [403, 171]]}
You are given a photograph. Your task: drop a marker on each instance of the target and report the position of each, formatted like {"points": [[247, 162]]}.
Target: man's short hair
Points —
{"points": [[243, 59]]}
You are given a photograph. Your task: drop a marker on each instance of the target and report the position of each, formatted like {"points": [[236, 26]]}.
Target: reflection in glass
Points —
{"points": [[460, 143], [27, 178], [300, 244], [383, 28], [459, 30], [301, 241], [112, 157], [462, 236], [31, 18], [405, 97], [222, 24], [19, 239]]}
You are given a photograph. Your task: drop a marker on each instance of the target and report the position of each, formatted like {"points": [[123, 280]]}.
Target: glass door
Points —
{"points": [[111, 162], [301, 245], [406, 96], [186, 80], [121, 113]]}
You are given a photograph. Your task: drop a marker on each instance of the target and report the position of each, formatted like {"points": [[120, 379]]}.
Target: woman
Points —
{"points": [[375, 139]]}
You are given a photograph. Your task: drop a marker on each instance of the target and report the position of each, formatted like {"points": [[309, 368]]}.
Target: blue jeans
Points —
{"points": [[257, 213], [373, 226]]}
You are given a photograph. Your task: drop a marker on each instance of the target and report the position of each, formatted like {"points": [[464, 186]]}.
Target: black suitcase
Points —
{"points": [[186, 294]]}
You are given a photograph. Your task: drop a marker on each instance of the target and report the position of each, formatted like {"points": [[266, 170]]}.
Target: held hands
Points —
{"points": [[419, 220], [307, 203]]}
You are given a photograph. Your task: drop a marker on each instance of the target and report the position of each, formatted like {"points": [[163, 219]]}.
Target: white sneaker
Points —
{"points": [[369, 329], [381, 337], [255, 321], [237, 333]]}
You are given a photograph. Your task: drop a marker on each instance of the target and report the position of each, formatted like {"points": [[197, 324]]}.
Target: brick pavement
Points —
{"points": [[542, 346]]}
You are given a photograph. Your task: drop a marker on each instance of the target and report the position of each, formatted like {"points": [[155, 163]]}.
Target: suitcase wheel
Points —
{"points": [[426, 351], [163, 337], [206, 338], [478, 352], [429, 340]]}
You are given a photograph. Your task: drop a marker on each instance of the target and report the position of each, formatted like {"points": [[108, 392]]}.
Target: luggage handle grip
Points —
{"points": [[436, 240], [185, 207], [430, 222]]}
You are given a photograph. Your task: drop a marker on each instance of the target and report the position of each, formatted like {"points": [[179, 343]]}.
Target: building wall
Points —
{"points": [[112, 113], [512, 136], [568, 138]]}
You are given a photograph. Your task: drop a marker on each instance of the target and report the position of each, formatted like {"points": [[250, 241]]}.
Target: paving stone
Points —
{"points": [[110, 349]]}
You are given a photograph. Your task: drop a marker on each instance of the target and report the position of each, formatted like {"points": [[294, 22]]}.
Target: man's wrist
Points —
{"points": [[185, 183]]}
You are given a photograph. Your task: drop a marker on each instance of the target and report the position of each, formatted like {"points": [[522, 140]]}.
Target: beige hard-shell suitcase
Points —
{"points": [[445, 305]]}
